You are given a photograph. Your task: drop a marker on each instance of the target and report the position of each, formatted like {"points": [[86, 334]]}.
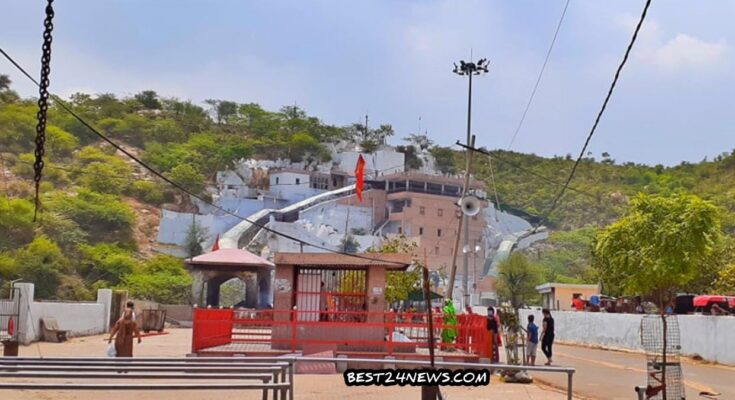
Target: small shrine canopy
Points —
{"points": [[230, 258], [211, 270]]}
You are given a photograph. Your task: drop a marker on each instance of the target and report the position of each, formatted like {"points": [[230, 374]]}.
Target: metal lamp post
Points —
{"points": [[468, 69], [466, 250]]}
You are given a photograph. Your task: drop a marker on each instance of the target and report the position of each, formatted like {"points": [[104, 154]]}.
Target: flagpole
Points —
{"points": [[347, 222], [359, 184]]}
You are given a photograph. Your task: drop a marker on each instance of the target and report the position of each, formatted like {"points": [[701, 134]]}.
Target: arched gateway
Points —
{"points": [[211, 270]]}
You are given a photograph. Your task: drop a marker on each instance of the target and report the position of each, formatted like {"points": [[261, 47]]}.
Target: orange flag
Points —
{"points": [[360, 177], [215, 247]]}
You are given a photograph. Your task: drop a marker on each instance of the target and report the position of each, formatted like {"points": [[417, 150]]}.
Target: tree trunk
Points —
{"points": [[662, 306], [663, 358]]}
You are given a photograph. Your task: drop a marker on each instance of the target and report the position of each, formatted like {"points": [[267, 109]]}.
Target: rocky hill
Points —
{"points": [[100, 210]]}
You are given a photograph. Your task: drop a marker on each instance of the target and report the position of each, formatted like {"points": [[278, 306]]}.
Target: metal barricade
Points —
{"points": [[9, 311], [266, 374], [274, 373]]}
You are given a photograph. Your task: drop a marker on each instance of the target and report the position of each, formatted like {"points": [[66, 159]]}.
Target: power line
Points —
{"points": [[540, 74], [495, 188], [519, 167], [81, 120], [555, 203]]}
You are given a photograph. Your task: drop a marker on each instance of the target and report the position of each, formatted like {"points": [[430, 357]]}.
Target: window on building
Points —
{"points": [[422, 210], [421, 231], [298, 181], [277, 179], [438, 232], [440, 212], [400, 230], [436, 250]]}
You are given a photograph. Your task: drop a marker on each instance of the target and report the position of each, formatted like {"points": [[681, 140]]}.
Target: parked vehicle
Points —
{"points": [[714, 304], [684, 304], [601, 302]]}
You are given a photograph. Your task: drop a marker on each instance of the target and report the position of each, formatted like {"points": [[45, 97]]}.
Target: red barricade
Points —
{"points": [[388, 332], [211, 327]]}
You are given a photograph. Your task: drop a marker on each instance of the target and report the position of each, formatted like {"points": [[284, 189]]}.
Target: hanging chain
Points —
{"points": [[43, 101]]}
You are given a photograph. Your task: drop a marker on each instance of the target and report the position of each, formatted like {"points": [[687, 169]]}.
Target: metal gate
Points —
{"points": [[9, 310], [331, 295]]}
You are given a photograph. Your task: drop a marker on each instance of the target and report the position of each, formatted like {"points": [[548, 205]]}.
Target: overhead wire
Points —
{"points": [[558, 197], [540, 75], [495, 188], [519, 167], [160, 175]]}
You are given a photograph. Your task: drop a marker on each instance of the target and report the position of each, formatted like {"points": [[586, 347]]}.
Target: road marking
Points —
{"points": [[685, 359], [692, 384]]}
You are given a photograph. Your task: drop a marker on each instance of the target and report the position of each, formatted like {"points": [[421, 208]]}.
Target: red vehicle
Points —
{"points": [[705, 303]]}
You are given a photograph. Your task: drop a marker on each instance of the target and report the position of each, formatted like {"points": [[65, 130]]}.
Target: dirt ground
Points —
{"points": [[308, 387]]}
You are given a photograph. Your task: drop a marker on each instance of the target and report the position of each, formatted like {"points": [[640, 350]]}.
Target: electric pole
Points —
{"points": [[465, 69]]}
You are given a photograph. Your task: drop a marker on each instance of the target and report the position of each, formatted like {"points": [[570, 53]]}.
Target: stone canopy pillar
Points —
{"points": [[197, 288], [265, 294], [251, 291], [213, 293]]}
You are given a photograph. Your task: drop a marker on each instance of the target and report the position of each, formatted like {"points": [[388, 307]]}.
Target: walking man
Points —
{"points": [[547, 335], [123, 332], [531, 341], [494, 327]]}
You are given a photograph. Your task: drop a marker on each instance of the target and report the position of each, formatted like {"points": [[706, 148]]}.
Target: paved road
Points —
{"points": [[612, 375]]}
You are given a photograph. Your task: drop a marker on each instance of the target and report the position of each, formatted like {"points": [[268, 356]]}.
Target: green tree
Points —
{"points": [[106, 263], [61, 230], [7, 95], [17, 127], [349, 244], [60, 143], [148, 192], [8, 267], [399, 284], [195, 235], [162, 279], [149, 99], [302, 145], [369, 139], [223, 109], [422, 142], [42, 263], [411, 158], [107, 105], [517, 280], [655, 248], [105, 178], [444, 158], [188, 177], [725, 283], [5, 82], [104, 217], [16, 223]]}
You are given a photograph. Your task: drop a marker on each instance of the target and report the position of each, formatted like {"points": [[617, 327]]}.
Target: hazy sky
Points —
{"points": [[393, 60]]}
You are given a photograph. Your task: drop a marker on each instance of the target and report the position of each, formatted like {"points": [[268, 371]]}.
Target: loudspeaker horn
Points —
{"points": [[470, 205]]}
